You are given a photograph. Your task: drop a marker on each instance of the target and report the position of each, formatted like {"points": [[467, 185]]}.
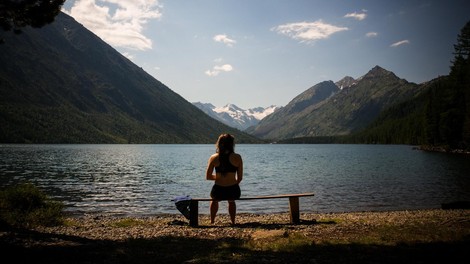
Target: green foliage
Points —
{"points": [[24, 205], [399, 124], [287, 242], [462, 48], [448, 102], [16, 14]]}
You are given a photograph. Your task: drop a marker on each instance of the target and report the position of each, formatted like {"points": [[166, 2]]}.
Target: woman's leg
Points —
{"points": [[214, 207], [232, 210]]}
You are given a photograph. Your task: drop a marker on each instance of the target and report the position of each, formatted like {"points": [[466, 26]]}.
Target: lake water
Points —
{"points": [[142, 179]]}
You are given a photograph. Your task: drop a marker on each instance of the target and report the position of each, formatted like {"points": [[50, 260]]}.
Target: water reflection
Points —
{"points": [[142, 179]]}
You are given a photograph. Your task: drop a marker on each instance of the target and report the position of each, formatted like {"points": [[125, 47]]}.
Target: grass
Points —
{"points": [[25, 205], [282, 242]]}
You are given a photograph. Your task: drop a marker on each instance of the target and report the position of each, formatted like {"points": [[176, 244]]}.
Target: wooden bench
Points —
{"points": [[293, 206]]}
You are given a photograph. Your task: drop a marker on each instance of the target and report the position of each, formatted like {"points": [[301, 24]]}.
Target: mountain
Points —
{"points": [[346, 82], [63, 84], [438, 117], [327, 110], [311, 98], [235, 116]]}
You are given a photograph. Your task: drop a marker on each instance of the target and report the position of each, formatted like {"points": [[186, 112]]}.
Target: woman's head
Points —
{"points": [[225, 144]]}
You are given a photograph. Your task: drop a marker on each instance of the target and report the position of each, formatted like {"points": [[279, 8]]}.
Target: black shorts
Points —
{"points": [[231, 192]]}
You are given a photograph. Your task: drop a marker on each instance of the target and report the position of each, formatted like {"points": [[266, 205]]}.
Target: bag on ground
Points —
{"points": [[182, 204]]}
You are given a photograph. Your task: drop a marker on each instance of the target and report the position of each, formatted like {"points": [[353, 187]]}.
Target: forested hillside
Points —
{"points": [[436, 118], [63, 84], [325, 110]]}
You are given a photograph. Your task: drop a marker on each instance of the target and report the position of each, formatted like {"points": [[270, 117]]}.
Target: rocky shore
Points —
{"points": [[442, 149], [362, 237]]}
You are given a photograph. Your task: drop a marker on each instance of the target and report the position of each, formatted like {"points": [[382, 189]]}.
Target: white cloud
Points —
{"points": [[357, 16], [118, 22], [217, 69], [308, 31], [128, 55], [224, 39], [371, 34], [399, 43]]}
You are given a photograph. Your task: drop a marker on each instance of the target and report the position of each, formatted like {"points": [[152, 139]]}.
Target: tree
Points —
{"points": [[460, 73], [462, 48], [448, 112], [16, 14]]}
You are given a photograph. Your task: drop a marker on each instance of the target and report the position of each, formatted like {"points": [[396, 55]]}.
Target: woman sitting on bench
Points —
{"points": [[228, 167]]}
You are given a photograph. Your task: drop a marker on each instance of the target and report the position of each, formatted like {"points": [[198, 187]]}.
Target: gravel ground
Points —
{"points": [[317, 226], [321, 238]]}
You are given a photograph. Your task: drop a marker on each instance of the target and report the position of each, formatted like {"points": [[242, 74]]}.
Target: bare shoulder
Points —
{"points": [[214, 157], [235, 158]]}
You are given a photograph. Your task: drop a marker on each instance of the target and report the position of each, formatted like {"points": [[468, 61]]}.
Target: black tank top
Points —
{"points": [[225, 165]]}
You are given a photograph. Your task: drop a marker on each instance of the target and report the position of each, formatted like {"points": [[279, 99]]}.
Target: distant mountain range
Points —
{"points": [[63, 84], [325, 109], [332, 109], [235, 116]]}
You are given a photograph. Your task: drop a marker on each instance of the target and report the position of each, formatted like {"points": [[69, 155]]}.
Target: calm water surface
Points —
{"points": [[142, 179]]}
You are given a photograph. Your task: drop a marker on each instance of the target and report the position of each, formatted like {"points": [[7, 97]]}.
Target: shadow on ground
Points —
{"points": [[51, 248]]}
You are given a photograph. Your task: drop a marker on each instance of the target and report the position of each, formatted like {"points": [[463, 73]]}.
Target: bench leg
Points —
{"points": [[194, 213], [294, 210]]}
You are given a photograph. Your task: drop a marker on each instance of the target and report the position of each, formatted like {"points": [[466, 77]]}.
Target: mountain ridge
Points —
{"points": [[234, 116], [63, 84], [343, 112]]}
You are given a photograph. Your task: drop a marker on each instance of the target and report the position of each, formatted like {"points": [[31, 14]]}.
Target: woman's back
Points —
{"points": [[226, 166]]}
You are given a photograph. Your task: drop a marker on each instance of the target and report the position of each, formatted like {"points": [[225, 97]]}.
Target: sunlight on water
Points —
{"points": [[142, 179]]}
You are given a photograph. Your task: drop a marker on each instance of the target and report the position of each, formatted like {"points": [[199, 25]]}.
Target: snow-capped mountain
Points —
{"points": [[235, 116], [346, 82]]}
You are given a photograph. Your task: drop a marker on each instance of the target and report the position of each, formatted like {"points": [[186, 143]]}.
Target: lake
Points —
{"points": [[142, 179]]}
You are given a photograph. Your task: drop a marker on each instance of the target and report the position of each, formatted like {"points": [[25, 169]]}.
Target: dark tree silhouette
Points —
{"points": [[16, 14], [460, 74], [448, 111], [462, 48]]}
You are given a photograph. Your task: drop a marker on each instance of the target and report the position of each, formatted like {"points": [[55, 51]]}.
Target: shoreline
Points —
{"points": [[371, 235], [116, 228], [442, 149], [113, 227], [457, 204]]}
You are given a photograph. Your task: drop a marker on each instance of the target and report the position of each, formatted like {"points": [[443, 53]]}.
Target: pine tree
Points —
{"points": [[448, 102], [16, 14], [462, 48], [460, 76]]}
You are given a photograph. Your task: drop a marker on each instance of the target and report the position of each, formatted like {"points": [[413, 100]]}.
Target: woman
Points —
{"points": [[228, 167]]}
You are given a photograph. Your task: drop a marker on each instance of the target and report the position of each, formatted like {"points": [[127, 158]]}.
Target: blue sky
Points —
{"points": [[265, 52]]}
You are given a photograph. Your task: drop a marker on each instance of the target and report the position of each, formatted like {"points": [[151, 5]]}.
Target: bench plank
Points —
{"points": [[293, 205], [261, 197]]}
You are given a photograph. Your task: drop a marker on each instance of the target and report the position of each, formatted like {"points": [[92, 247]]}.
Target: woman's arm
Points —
{"points": [[240, 170], [210, 169]]}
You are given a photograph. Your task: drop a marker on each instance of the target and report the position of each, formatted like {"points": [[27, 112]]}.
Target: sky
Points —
{"points": [[255, 53]]}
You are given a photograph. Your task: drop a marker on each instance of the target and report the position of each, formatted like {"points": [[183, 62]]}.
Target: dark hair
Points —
{"points": [[225, 144]]}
